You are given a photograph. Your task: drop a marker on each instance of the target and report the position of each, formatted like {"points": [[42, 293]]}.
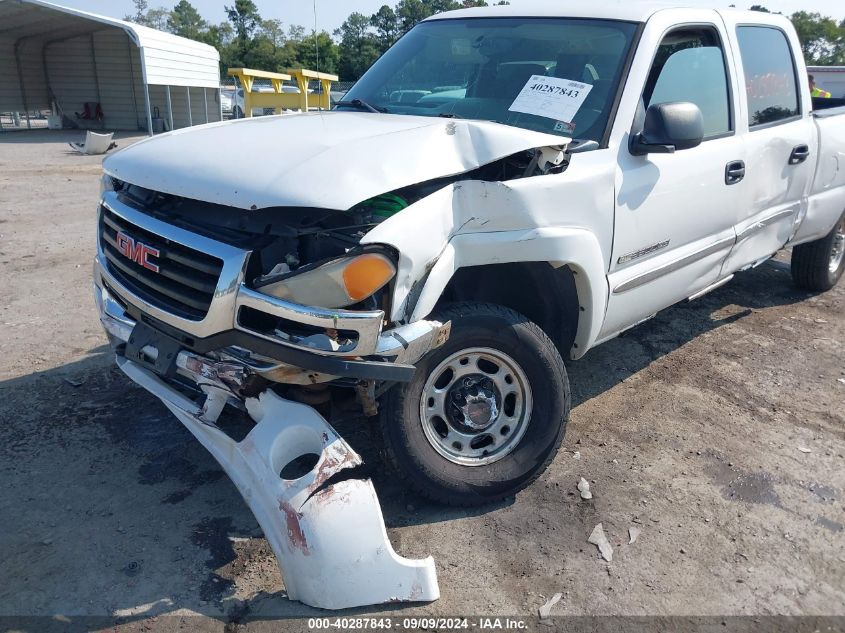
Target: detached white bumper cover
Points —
{"points": [[329, 538]]}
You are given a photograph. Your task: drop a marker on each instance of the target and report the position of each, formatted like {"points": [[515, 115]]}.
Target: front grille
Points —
{"points": [[185, 282]]}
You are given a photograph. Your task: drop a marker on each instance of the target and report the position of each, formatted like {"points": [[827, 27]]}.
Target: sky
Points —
{"points": [[331, 13]]}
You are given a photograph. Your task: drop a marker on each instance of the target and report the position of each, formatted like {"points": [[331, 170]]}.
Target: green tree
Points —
{"points": [[296, 32], [153, 18], [822, 39], [245, 19], [184, 20], [358, 46], [157, 18], [409, 12], [140, 12], [274, 31], [759, 7], [386, 24], [244, 51], [317, 52]]}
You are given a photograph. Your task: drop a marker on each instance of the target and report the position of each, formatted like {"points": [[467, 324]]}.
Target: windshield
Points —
{"points": [[551, 75]]}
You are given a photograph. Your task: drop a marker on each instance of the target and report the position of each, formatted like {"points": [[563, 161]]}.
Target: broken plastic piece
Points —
{"points": [[546, 609], [584, 489], [598, 539], [633, 534], [327, 531]]}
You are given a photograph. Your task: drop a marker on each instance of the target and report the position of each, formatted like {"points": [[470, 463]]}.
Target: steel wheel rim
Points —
{"points": [[455, 426], [837, 251]]}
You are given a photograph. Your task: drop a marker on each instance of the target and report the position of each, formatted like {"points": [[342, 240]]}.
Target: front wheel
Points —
{"points": [[484, 414], [819, 265]]}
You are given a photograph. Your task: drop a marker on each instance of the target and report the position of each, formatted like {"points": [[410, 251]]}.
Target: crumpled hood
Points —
{"points": [[330, 160]]}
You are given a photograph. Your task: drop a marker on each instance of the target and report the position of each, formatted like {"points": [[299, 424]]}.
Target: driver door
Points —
{"points": [[674, 222]]}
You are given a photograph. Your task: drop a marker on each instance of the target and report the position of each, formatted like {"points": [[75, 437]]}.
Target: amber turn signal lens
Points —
{"points": [[367, 273]]}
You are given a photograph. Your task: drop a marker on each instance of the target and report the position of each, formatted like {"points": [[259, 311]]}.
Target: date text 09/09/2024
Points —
{"points": [[418, 624]]}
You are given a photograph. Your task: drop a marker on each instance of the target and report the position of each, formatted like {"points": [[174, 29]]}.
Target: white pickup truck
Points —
{"points": [[506, 187]]}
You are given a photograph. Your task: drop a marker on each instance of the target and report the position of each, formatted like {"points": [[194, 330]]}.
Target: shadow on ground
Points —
{"points": [[113, 507]]}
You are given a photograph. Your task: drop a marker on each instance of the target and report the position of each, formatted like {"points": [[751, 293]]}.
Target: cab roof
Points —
{"points": [[626, 10]]}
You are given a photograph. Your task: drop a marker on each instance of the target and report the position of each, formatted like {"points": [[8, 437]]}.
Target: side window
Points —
{"points": [[770, 82], [690, 66]]}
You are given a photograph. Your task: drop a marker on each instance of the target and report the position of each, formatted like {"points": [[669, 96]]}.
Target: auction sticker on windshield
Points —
{"points": [[551, 97]]}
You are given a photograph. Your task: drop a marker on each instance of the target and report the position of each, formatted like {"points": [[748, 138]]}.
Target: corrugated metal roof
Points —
{"points": [[167, 59]]}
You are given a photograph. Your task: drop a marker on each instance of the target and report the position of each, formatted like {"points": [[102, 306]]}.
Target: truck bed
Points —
{"points": [[827, 193]]}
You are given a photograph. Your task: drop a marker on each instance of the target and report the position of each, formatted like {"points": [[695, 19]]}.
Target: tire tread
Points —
{"points": [[395, 400], [809, 265]]}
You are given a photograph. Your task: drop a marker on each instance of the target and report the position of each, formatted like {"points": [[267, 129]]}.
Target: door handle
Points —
{"points": [[734, 172], [799, 154]]}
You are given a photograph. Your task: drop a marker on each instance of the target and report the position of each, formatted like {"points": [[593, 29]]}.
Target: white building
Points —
{"points": [[56, 57]]}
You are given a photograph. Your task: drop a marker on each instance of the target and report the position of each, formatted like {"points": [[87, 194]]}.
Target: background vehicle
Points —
{"points": [[233, 101], [501, 189], [227, 98]]}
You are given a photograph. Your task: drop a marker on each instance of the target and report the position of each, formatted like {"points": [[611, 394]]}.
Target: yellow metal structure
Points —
{"points": [[278, 99]]}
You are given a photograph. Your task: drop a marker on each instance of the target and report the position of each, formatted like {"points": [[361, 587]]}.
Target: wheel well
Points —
{"points": [[544, 294]]}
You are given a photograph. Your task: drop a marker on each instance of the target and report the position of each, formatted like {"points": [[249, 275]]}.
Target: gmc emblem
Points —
{"points": [[138, 252]]}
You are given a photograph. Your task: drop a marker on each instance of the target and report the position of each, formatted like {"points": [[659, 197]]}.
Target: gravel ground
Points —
{"points": [[716, 429]]}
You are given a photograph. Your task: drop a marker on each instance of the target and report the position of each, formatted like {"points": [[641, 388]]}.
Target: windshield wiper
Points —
{"points": [[361, 105], [450, 115]]}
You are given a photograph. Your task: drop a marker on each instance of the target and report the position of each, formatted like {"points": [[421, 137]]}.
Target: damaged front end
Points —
{"points": [[258, 352], [280, 311]]}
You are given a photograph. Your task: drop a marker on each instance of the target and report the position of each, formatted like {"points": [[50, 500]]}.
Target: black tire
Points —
{"points": [[812, 263], [237, 113], [423, 468]]}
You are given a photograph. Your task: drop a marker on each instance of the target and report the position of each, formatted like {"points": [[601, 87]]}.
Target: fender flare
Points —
{"points": [[576, 248]]}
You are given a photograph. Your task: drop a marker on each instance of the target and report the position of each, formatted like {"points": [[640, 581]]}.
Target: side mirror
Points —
{"points": [[669, 127]]}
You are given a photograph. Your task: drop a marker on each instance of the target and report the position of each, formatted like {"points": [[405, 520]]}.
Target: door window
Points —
{"points": [[690, 66], [770, 81]]}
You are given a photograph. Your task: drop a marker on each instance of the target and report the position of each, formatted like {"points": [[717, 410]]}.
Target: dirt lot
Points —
{"points": [[718, 429]]}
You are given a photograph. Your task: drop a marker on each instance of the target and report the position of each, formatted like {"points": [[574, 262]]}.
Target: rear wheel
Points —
{"points": [[819, 265], [484, 414]]}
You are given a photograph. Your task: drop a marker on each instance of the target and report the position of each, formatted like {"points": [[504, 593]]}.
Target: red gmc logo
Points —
{"points": [[138, 252]]}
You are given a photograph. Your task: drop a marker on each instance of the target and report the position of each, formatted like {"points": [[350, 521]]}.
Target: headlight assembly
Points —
{"points": [[106, 184], [335, 284]]}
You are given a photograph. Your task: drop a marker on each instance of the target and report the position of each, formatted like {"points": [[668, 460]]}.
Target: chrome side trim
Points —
{"points": [[762, 224], [648, 250], [710, 288], [672, 266]]}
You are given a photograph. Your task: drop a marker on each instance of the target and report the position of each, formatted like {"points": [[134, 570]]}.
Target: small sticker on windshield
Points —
{"points": [[564, 126], [461, 47], [551, 97]]}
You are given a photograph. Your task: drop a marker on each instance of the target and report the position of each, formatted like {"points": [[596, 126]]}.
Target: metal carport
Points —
{"points": [[54, 56]]}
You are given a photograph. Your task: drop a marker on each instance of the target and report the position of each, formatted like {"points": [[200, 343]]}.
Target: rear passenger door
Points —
{"points": [[779, 138]]}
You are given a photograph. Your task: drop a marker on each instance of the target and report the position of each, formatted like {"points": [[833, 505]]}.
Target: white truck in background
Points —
{"points": [[506, 187]]}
